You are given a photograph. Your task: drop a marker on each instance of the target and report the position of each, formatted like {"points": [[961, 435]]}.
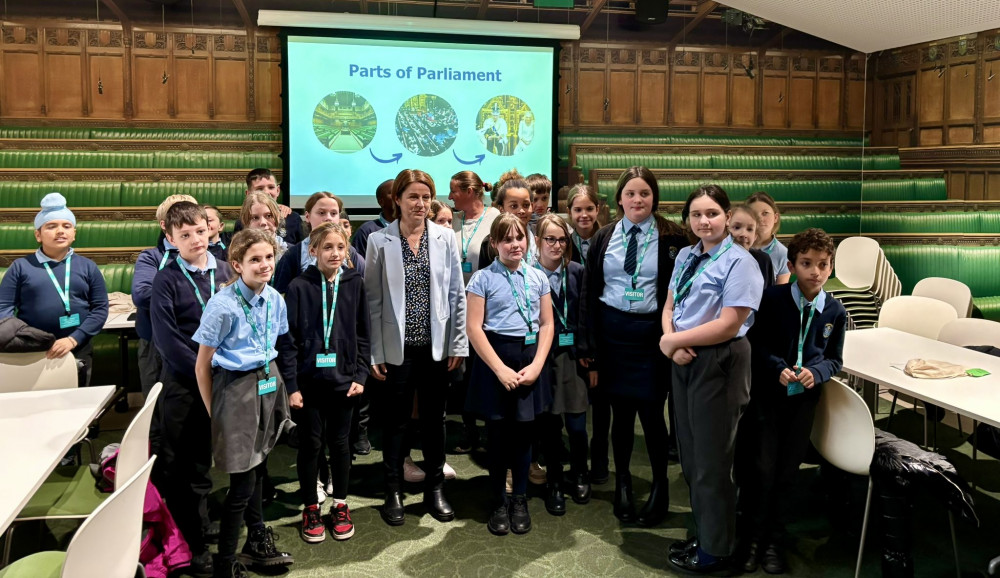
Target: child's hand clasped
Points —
{"points": [[356, 389], [295, 400], [508, 378], [805, 377], [787, 376]]}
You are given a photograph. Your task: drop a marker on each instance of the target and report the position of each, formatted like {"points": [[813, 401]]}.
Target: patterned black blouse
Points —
{"points": [[417, 269]]}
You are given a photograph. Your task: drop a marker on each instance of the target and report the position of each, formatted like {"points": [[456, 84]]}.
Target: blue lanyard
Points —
{"points": [[642, 254], [63, 293], [221, 244], [683, 291], [245, 304], [465, 244], [197, 292], [382, 221], [328, 315], [163, 261], [527, 297], [804, 331], [578, 241], [565, 297], [771, 245]]}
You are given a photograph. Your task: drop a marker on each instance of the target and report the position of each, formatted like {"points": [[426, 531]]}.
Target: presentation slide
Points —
{"points": [[361, 110]]}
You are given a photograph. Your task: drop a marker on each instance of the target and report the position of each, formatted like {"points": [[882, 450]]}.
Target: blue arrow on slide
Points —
{"points": [[478, 161], [394, 159]]}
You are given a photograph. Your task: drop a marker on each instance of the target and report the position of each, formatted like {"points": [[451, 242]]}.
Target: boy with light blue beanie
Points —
{"points": [[55, 290]]}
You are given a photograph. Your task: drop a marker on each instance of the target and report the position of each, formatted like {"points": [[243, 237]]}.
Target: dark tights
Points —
{"points": [[330, 414], [654, 427], [551, 428], [509, 447], [242, 505]]}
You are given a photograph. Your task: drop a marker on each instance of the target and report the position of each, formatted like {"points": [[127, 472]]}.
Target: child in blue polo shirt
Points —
{"points": [[181, 290], [510, 326], [55, 290], [244, 394], [797, 346]]}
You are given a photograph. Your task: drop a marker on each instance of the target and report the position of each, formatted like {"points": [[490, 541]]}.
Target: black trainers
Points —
{"points": [[230, 568], [499, 522], [520, 520], [201, 565], [259, 550]]}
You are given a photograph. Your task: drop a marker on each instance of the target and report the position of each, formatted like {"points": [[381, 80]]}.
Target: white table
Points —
{"points": [[37, 428], [119, 321], [871, 354]]}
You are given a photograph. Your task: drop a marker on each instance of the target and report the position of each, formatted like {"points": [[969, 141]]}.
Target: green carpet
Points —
{"points": [[589, 540]]}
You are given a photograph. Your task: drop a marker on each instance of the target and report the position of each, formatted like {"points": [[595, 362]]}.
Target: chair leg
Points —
{"points": [[934, 425], [892, 410], [6, 545], [864, 528], [959, 417], [954, 543]]}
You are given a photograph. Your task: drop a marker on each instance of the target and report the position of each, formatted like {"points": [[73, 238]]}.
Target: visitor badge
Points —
{"points": [[266, 386], [466, 267], [326, 360], [795, 388], [565, 339], [531, 338], [67, 321], [635, 294]]}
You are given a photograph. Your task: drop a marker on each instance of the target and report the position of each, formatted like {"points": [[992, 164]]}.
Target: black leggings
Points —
{"points": [[508, 447], [329, 413], [654, 427], [242, 504], [550, 432]]}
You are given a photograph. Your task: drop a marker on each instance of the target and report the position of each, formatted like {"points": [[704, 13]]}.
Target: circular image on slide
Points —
{"points": [[344, 122], [426, 125], [506, 125]]}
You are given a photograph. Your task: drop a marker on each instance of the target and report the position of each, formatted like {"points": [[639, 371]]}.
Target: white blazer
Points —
{"points": [[385, 283]]}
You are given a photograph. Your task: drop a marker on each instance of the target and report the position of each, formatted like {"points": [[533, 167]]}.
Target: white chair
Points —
{"points": [[107, 543], [953, 292], [70, 493], [921, 316], [857, 264], [33, 372], [844, 434], [969, 331]]}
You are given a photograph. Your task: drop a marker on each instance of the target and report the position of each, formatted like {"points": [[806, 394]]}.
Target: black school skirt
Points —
{"points": [[631, 364], [491, 401]]}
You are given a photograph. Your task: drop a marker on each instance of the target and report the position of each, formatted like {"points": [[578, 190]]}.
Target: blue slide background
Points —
{"points": [[320, 66]]}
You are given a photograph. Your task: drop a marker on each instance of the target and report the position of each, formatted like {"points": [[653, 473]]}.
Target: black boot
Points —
{"points": [[392, 510], [259, 550], [579, 488], [520, 520], [657, 506], [499, 522], [437, 506], [555, 502], [229, 568], [362, 446], [624, 504]]}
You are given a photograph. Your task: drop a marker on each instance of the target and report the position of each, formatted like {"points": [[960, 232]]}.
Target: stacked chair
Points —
{"points": [[865, 280]]}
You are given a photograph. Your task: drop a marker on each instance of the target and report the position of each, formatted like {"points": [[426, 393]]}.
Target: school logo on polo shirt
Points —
{"points": [[827, 330], [672, 252]]}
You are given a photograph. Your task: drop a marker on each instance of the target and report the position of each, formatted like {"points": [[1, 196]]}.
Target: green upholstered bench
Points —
{"points": [[973, 265], [44, 132], [19, 159], [184, 134], [150, 194], [20, 236], [588, 161], [819, 190], [28, 194], [867, 222], [117, 276]]}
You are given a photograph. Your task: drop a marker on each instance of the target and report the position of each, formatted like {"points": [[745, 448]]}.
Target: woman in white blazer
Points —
{"points": [[416, 295]]}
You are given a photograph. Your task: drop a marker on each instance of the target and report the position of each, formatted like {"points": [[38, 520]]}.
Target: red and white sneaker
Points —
{"points": [[343, 527], [313, 530]]}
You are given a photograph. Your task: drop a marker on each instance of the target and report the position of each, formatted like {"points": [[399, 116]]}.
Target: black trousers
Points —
{"points": [[508, 448], [84, 364], [243, 504], [774, 433], [419, 374], [600, 412], [711, 393], [550, 429], [654, 428], [324, 413], [184, 456]]}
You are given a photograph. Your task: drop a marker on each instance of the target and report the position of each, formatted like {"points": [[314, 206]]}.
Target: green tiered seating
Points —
{"points": [[137, 160], [28, 194], [973, 265], [20, 236], [147, 194], [137, 133], [943, 223], [785, 191], [588, 161]]}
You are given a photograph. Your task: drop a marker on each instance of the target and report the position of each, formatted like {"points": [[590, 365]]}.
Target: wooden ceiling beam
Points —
{"points": [[245, 15], [703, 11], [113, 6], [483, 7], [598, 6]]}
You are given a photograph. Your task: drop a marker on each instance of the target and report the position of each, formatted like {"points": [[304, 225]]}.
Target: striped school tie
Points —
{"points": [[632, 249]]}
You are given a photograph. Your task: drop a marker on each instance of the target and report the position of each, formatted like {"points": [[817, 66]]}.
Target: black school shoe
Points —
{"points": [[229, 568], [201, 565], [579, 488], [555, 502], [520, 520], [685, 547], [772, 560], [499, 522], [693, 564], [259, 550], [751, 560]]}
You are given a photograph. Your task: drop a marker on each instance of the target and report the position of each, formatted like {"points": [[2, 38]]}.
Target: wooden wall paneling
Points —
{"points": [[774, 93], [685, 87], [149, 65], [715, 91], [745, 98], [192, 70], [993, 186], [592, 85], [22, 92], [977, 114], [622, 87], [653, 87], [62, 72], [962, 92], [801, 95], [268, 79], [976, 186], [829, 111], [106, 64], [956, 184], [990, 100], [230, 69]]}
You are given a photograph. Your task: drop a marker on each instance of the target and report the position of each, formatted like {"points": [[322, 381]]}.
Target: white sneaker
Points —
{"points": [[536, 474], [329, 483], [320, 492], [510, 483], [449, 472], [411, 473]]}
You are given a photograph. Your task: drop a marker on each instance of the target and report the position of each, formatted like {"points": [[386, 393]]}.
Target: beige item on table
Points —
{"points": [[119, 302], [932, 369]]}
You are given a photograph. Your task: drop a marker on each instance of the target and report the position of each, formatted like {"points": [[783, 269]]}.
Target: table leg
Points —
{"points": [[122, 405], [870, 394]]}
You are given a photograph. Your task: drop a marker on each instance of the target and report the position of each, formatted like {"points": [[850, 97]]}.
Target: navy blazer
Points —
{"points": [[574, 285], [350, 338]]}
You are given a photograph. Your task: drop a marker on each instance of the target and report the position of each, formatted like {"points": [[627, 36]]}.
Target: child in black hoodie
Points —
{"points": [[324, 360]]}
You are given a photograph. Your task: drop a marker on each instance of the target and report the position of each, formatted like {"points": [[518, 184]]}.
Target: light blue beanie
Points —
{"points": [[53, 208]]}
